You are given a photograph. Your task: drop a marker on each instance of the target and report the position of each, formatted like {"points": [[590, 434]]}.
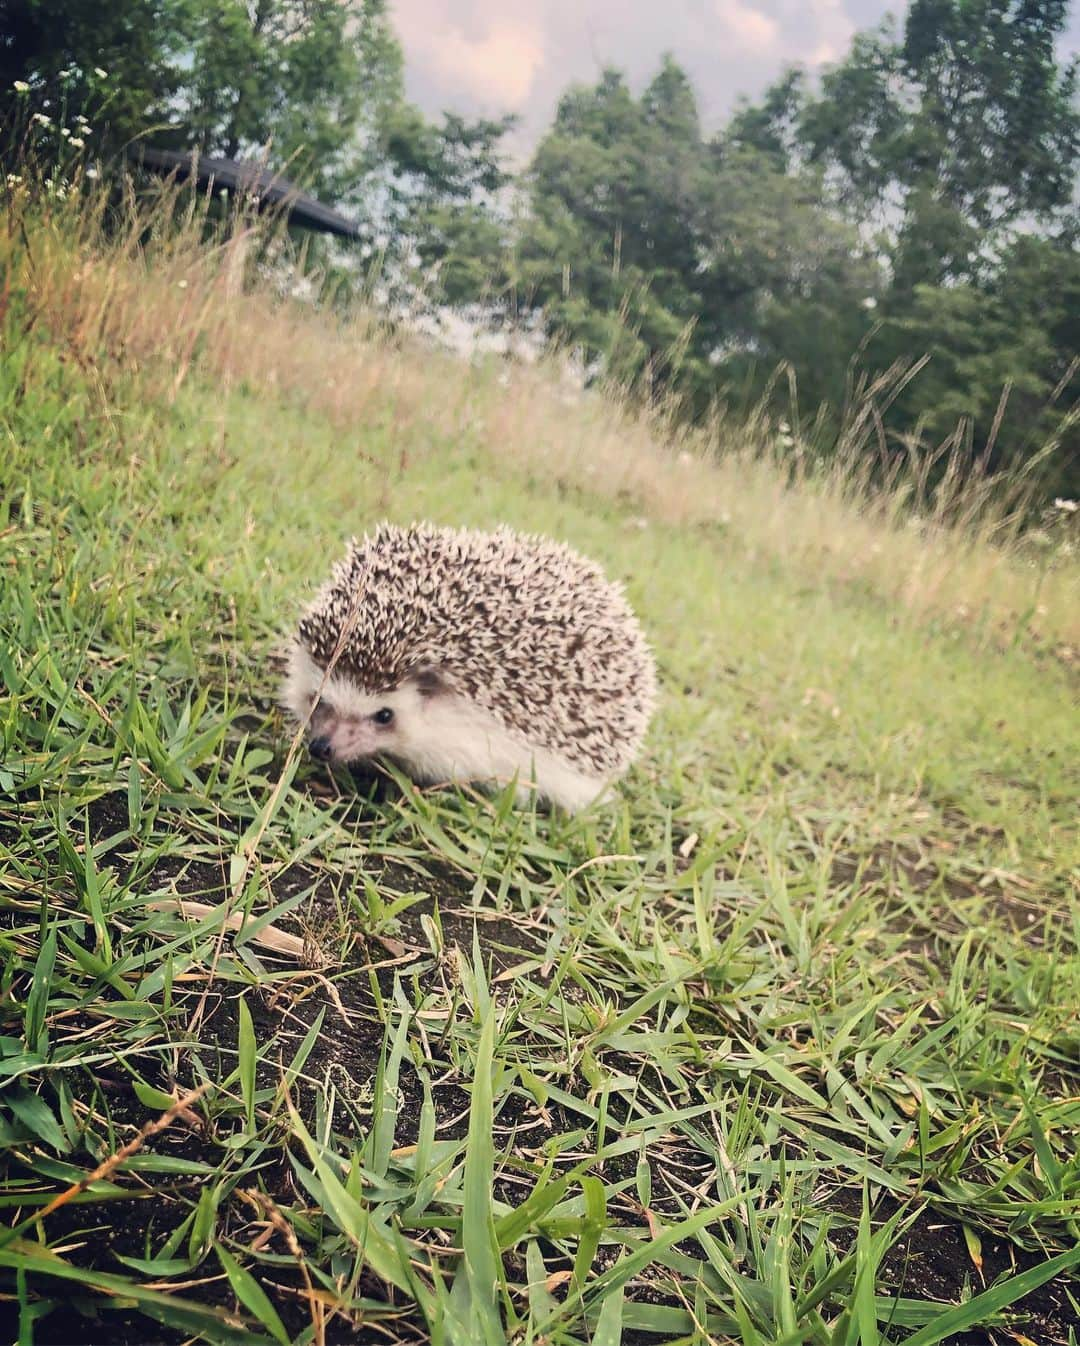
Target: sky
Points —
{"points": [[487, 57]]}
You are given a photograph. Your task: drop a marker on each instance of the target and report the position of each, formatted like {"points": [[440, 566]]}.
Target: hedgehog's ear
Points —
{"points": [[428, 680]]}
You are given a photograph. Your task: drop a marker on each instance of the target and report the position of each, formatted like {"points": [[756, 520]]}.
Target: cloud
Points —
{"points": [[834, 30], [489, 61], [745, 25], [486, 57]]}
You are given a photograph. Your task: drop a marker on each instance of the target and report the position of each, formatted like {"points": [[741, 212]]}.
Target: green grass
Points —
{"points": [[781, 1047]]}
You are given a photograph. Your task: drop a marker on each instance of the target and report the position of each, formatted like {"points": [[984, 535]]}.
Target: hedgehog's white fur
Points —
{"points": [[497, 657], [440, 739]]}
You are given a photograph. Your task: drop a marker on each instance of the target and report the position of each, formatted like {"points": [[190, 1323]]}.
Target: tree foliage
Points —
{"points": [[609, 236], [442, 185], [118, 62], [306, 81], [956, 129], [676, 258], [1005, 359]]}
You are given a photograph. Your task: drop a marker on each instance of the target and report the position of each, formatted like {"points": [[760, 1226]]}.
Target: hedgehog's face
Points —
{"points": [[347, 724]]}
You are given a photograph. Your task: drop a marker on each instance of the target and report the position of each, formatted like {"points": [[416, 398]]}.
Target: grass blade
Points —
{"points": [[474, 1296]]}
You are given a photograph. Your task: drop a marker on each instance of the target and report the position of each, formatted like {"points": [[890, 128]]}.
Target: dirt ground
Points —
{"points": [[932, 1262]]}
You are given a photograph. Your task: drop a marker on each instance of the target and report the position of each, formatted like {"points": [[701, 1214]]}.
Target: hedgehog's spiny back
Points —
{"points": [[524, 626]]}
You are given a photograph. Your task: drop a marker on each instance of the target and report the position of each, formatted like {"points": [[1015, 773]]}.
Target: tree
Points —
{"points": [[953, 147], [444, 221], [608, 244], [771, 127], [115, 64], [1004, 359], [956, 130], [309, 82], [781, 279], [683, 262]]}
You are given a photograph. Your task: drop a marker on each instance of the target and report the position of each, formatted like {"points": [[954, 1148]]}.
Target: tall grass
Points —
{"points": [[136, 287]]}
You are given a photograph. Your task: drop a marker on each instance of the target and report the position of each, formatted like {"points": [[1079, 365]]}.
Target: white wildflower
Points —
{"points": [[21, 86], [41, 119], [1067, 506], [65, 132], [181, 284], [78, 142], [869, 302], [101, 74]]}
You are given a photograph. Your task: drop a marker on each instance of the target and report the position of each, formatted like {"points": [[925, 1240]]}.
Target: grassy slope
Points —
{"points": [[815, 977]]}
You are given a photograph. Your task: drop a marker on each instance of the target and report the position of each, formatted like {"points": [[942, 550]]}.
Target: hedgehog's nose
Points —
{"points": [[320, 748]]}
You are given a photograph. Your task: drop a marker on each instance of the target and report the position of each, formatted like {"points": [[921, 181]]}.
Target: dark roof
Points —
{"points": [[268, 190]]}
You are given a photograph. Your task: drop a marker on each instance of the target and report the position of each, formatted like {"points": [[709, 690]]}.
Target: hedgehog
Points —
{"points": [[474, 657]]}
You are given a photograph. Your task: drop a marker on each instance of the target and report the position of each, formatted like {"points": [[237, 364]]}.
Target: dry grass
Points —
{"points": [[154, 298]]}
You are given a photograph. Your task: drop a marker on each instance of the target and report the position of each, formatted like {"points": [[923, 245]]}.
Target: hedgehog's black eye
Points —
{"points": [[383, 716]]}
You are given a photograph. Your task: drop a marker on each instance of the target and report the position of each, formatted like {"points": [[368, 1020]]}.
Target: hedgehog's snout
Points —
{"points": [[320, 748]]}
